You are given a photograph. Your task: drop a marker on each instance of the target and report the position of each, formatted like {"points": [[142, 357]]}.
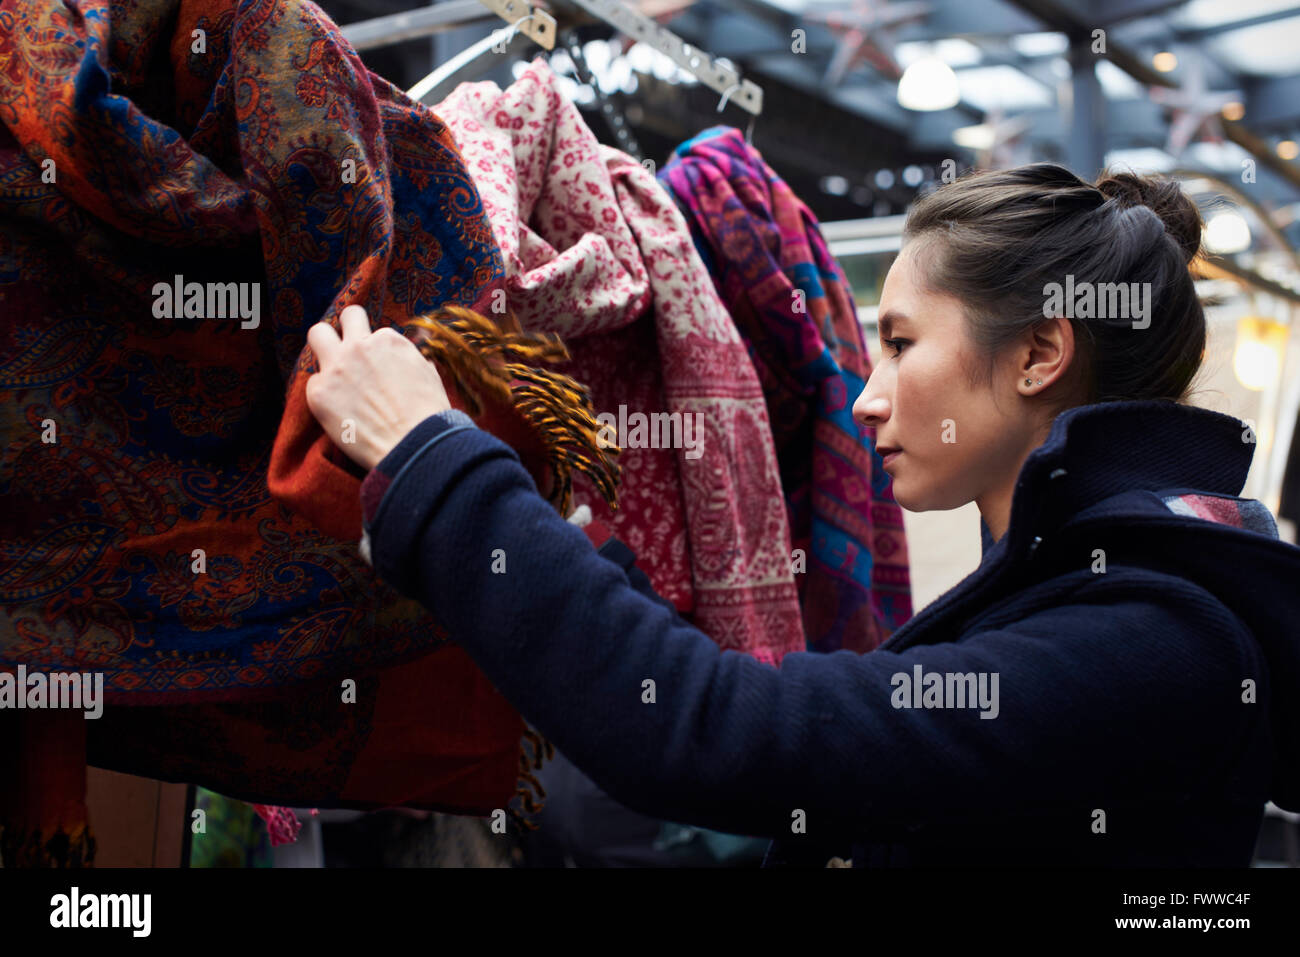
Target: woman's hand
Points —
{"points": [[372, 387]]}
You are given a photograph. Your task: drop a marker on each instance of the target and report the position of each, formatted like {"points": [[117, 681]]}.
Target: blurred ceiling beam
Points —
{"points": [[1224, 267], [415, 23], [1273, 101], [1085, 147], [1074, 23], [1262, 151], [1107, 12], [950, 18], [998, 51], [1061, 16], [734, 35], [760, 37]]}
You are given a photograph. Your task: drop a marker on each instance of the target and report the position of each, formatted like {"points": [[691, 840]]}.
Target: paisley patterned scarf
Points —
{"points": [[795, 310], [186, 186]]}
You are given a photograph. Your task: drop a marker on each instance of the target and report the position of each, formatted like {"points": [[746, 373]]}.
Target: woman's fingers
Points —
{"points": [[354, 322], [324, 342], [372, 388]]}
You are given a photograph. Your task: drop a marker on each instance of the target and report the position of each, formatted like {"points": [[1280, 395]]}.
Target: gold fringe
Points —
{"points": [[533, 750], [542, 747], [486, 364]]}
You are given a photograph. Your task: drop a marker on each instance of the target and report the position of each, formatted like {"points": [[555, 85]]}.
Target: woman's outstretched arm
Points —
{"points": [[1147, 707], [671, 726]]}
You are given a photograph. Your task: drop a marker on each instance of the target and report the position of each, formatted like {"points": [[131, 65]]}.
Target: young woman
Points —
{"points": [[1115, 684]]}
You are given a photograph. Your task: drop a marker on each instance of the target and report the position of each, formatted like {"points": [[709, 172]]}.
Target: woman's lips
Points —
{"points": [[889, 457]]}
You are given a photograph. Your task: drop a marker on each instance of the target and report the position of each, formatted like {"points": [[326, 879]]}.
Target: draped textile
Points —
{"points": [[186, 186], [596, 251], [795, 310]]}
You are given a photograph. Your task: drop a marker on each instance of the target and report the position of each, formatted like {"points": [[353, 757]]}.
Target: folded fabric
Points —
{"points": [[186, 186], [795, 310], [595, 251]]}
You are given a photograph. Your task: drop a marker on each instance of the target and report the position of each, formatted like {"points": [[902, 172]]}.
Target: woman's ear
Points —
{"points": [[1046, 354]]}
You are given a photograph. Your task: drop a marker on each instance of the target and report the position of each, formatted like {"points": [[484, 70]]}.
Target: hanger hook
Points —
{"points": [[727, 95], [514, 28], [722, 105]]}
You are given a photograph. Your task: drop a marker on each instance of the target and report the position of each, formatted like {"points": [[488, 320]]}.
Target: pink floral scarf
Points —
{"points": [[596, 251]]}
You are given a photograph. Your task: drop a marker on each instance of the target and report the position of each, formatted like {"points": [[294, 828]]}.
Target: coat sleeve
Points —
{"points": [[1090, 709]]}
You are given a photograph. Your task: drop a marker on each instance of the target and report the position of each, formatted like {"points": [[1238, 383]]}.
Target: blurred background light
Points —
{"points": [[928, 84]]}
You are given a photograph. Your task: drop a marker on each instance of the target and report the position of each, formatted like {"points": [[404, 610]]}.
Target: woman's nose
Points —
{"points": [[871, 410]]}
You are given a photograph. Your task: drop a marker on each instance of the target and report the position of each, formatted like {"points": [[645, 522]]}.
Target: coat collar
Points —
{"points": [[1096, 451]]}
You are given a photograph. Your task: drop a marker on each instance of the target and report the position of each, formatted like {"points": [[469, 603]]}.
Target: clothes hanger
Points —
{"points": [[540, 26], [470, 62], [703, 66], [749, 127]]}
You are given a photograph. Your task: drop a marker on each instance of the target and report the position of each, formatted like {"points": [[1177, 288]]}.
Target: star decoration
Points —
{"points": [[865, 33], [1194, 110]]}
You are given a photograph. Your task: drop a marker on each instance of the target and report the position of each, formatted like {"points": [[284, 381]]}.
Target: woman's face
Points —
{"points": [[958, 436]]}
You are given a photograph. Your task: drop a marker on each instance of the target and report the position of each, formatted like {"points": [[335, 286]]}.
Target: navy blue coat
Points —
{"points": [[1141, 621]]}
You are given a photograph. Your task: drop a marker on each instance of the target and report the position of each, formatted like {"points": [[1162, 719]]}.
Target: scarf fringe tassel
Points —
{"points": [[487, 364]]}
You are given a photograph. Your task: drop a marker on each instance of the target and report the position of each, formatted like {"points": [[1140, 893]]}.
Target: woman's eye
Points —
{"points": [[896, 344]]}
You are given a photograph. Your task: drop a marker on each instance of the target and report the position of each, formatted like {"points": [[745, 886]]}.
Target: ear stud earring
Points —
{"points": [[1028, 382]]}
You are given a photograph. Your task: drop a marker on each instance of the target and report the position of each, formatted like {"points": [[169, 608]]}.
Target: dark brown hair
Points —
{"points": [[995, 240]]}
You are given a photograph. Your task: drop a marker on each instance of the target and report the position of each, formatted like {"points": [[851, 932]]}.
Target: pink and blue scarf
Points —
{"points": [[795, 310]]}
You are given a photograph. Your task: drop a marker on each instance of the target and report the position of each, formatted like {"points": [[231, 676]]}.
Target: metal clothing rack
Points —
{"points": [[540, 25], [528, 24], [719, 77]]}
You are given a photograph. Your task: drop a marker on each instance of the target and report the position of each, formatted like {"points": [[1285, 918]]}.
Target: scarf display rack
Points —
{"points": [[540, 26]]}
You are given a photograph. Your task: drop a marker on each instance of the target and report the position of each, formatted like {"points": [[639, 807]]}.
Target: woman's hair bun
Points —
{"points": [[1165, 198], [996, 241]]}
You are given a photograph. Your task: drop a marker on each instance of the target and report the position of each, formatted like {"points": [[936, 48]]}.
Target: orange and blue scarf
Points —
{"points": [[172, 515]]}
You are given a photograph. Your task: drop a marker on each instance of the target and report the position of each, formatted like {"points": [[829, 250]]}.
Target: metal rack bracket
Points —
{"points": [[540, 28], [725, 81]]}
